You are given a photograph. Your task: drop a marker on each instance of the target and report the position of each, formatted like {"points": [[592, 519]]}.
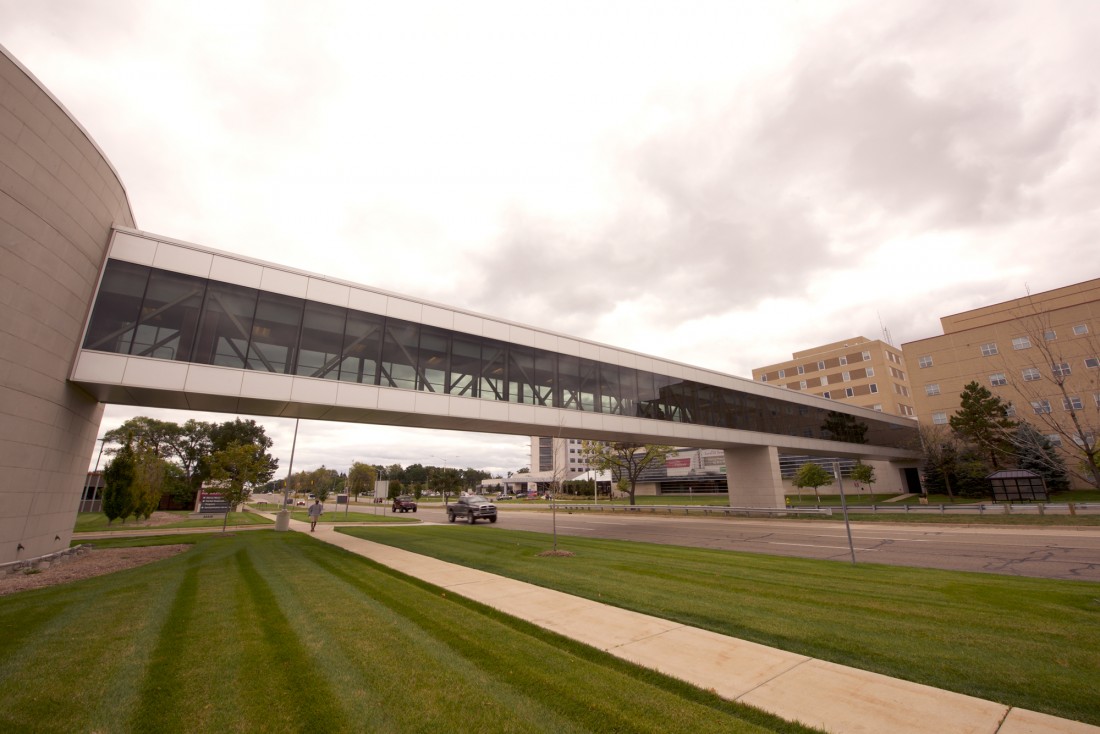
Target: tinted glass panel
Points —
{"points": [[434, 345], [275, 333], [545, 384], [399, 349], [169, 316], [362, 348], [156, 317], [226, 325], [321, 341], [494, 367], [117, 307], [465, 366], [521, 374]]}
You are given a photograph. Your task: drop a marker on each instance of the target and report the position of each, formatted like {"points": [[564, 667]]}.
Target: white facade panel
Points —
{"points": [[521, 413], [183, 260], [396, 400], [267, 386], [491, 410], [318, 392], [369, 301], [496, 330], [590, 351], [572, 347], [468, 324], [432, 403], [322, 291], [520, 335], [357, 396], [280, 281], [133, 249], [549, 342], [99, 367], [465, 407], [609, 355], [399, 308], [228, 270], [155, 373], [441, 317], [208, 380]]}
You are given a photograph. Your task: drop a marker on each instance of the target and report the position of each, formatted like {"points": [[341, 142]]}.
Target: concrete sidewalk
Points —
{"points": [[832, 697]]}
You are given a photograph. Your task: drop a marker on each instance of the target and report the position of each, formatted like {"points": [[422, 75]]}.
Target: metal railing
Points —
{"points": [[704, 509]]}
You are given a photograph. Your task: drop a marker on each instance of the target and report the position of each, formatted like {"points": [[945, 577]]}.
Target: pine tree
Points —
{"points": [[983, 420]]}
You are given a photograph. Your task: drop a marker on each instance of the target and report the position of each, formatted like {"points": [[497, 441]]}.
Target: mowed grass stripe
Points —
{"points": [[1021, 641], [248, 632]]}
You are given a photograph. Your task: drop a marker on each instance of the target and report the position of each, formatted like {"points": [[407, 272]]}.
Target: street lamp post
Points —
{"points": [[282, 520]]}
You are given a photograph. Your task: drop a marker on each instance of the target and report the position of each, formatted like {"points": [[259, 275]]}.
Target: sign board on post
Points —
{"points": [[341, 499], [212, 503]]}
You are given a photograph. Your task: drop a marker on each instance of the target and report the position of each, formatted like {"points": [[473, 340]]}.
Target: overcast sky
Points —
{"points": [[718, 183]]}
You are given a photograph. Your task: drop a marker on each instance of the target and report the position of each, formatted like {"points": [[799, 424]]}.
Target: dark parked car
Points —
{"points": [[404, 503], [472, 507]]}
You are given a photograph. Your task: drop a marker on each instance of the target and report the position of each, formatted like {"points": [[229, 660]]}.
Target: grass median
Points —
{"points": [[278, 632], [96, 522], [1020, 641]]}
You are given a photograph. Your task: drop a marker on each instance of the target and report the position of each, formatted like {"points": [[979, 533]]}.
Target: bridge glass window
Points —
{"points": [[275, 333], [494, 366], [521, 374], [169, 316], [244, 328], [648, 399], [400, 345], [321, 342], [117, 308], [362, 350], [465, 366], [433, 355], [610, 395], [226, 325], [545, 385]]}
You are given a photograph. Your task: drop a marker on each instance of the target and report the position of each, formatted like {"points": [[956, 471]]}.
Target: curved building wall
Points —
{"points": [[59, 197]]}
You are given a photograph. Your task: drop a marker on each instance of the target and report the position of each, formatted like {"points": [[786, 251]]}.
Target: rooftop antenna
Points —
{"points": [[885, 331]]}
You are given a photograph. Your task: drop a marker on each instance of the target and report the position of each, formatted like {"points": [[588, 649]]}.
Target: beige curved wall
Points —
{"points": [[58, 199]]}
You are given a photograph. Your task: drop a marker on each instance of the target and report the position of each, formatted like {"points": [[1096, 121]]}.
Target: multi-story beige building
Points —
{"points": [[557, 457], [866, 372], [1040, 353]]}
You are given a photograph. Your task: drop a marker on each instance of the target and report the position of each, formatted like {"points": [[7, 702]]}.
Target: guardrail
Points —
{"points": [[982, 508], [705, 509]]}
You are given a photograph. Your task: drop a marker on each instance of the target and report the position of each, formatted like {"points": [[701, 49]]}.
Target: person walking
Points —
{"points": [[315, 511]]}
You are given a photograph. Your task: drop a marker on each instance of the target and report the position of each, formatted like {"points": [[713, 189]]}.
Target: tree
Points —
{"points": [[950, 466], [1035, 453], [982, 419], [237, 469], [627, 460], [147, 482], [245, 433], [361, 478], [844, 427], [118, 478], [812, 475], [447, 481], [864, 474]]}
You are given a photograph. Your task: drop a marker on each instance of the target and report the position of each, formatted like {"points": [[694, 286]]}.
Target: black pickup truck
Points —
{"points": [[472, 507]]}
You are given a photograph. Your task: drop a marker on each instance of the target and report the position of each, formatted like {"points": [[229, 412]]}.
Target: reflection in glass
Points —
{"points": [[160, 314]]}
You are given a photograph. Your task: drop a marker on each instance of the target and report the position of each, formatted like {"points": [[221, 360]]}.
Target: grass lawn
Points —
{"points": [[1020, 641], [95, 522], [278, 632], [334, 516]]}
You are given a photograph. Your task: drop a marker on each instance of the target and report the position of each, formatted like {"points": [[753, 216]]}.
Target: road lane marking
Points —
{"points": [[811, 545]]}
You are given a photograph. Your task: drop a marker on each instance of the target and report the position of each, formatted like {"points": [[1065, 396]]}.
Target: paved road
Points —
{"points": [[1055, 553]]}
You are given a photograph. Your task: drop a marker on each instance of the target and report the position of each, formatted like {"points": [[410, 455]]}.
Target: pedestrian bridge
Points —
{"points": [[175, 325]]}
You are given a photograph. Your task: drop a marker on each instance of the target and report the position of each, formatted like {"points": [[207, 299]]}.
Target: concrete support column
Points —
{"points": [[752, 474]]}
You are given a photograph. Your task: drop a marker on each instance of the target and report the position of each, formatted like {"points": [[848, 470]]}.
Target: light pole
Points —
{"points": [[844, 509], [282, 520]]}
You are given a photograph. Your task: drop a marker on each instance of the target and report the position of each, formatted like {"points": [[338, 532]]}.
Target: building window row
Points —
{"points": [[925, 361], [148, 312], [1080, 329], [1040, 406], [990, 349], [998, 379], [939, 418], [1021, 342]]}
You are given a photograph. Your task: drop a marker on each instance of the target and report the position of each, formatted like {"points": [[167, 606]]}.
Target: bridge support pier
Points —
{"points": [[753, 478]]}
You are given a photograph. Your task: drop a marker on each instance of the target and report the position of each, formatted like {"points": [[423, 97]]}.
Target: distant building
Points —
{"points": [[557, 456], [866, 372], [1040, 353]]}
